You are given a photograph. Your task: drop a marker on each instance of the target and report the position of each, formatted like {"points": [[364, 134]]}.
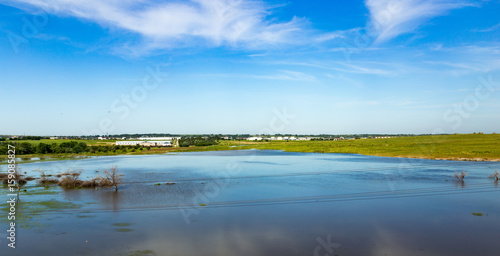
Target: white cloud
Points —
{"points": [[391, 18], [490, 29], [172, 24]]}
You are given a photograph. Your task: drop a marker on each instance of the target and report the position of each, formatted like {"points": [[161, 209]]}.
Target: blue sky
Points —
{"points": [[249, 66]]}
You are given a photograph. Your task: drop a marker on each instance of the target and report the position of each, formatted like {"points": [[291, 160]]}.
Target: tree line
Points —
{"points": [[71, 147], [199, 141]]}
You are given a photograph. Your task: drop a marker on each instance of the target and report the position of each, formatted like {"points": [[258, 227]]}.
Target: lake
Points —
{"points": [[252, 202]]}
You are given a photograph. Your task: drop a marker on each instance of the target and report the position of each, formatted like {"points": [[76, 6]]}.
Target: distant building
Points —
{"points": [[255, 138], [128, 143], [157, 144], [145, 143], [159, 138]]}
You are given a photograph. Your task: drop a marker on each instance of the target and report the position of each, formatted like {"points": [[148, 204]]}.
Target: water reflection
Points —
{"points": [[379, 207]]}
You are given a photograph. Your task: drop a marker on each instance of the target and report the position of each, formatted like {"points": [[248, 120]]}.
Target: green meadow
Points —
{"points": [[476, 147], [473, 147]]}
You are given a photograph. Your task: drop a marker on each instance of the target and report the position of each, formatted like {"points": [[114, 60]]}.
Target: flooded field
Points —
{"points": [[253, 202]]}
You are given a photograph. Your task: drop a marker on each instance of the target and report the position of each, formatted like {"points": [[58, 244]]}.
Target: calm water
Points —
{"points": [[262, 203]]}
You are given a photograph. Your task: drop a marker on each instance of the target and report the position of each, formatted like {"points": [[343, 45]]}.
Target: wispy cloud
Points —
{"points": [[170, 24], [490, 29], [391, 18], [289, 75]]}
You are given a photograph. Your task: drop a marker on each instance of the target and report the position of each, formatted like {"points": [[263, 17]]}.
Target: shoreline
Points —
{"points": [[49, 158]]}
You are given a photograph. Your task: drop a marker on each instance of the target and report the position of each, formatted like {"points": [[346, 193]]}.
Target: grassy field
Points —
{"points": [[473, 147]]}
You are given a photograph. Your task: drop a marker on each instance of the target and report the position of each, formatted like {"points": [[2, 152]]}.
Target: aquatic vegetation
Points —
{"points": [[494, 176], [44, 191], [479, 214], [141, 253], [123, 224], [71, 179], [55, 204], [86, 216], [459, 176], [44, 181], [93, 183], [18, 177]]}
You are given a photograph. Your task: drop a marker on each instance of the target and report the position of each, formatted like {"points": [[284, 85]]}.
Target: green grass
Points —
{"points": [[451, 147], [88, 142]]}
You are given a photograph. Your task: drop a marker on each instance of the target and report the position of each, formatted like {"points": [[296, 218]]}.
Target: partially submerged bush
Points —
{"points": [[105, 183], [71, 180], [495, 175], [18, 177], [459, 176], [46, 182]]}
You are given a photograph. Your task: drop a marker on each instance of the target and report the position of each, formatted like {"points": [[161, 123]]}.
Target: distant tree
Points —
{"points": [[43, 148]]}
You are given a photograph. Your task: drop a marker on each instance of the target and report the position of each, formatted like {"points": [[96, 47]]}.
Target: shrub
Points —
{"points": [[93, 183], [71, 180], [105, 183], [47, 182], [459, 176], [18, 178], [494, 176]]}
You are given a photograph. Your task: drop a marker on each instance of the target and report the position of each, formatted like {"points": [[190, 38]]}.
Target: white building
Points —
{"points": [[157, 143], [158, 138], [145, 143], [128, 143], [255, 138]]}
